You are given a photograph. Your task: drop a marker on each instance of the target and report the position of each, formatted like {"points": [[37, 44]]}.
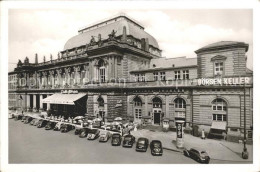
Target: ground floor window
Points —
{"points": [[180, 114], [219, 117], [138, 113]]}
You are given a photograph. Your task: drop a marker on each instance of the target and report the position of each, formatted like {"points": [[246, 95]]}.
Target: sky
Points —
{"points": [[179, 32]]}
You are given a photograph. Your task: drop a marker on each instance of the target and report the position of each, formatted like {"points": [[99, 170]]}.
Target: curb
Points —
{"points": [[174, 150]]}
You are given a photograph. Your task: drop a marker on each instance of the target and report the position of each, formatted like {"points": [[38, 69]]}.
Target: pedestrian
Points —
{"points": [[202, 134]]}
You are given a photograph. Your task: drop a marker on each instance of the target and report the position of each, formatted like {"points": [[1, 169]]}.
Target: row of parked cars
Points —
{"points": [[117, 139]]}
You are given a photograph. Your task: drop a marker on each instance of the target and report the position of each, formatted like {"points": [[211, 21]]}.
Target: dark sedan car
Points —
{"points": [[50, 125], [128, 141], [83, 132], [142, 144], [78, 131], [42, 123], [33, 121], [93, 134], [156, 147], [28, 119], [197, 154], [24, 118], [18, 117], [116, 139], [66, 128]]}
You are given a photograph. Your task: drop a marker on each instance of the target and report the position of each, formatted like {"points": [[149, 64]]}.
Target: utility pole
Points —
{"points": [[245, 153]]}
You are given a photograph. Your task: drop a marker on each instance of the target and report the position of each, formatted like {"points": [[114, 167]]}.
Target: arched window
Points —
{"points": [[219, 107], [180, 103], [137, 101], [100, 101], [157, 102], [101, 71], [138, 108]]}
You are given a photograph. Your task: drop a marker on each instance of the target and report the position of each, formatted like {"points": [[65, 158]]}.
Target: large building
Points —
{"points": [[114, 68]]}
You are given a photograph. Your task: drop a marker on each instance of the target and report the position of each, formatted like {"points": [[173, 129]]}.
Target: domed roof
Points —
{"points": [[222, 44], [105, 28]]}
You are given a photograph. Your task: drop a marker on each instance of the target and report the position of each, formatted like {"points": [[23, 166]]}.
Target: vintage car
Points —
{"points": [[93, 134], [197, 154], [84, 132], [116, 139], [42, 123], [128, 141], [78, 131], [58, 126], [66, 128], [142, 144], [28, 120], [50, 125], [24, 118], [18, 117], [35, 121], [156, 147], [104, 136]]}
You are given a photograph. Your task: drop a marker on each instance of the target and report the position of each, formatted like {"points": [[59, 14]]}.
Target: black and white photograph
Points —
{"points": [[121, 84]]}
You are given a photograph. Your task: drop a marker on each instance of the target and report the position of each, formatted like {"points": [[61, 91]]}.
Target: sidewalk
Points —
{"points": [[217, 149]]}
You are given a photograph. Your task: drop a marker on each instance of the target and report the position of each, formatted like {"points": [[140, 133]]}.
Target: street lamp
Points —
{"points": [[244, 153]]}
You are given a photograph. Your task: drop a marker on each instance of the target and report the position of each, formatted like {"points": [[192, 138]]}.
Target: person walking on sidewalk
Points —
{"points": [[203, 134]]}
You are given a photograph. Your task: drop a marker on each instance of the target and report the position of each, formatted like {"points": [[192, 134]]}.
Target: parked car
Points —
{"points": [[58, 126], [50, 125], [18, 117], [104, 136], [128, 141], [36, 122], [116, 139], [84, 132], [28, 119], [93, 134], [156, 147], [24, 118], [42, 123], [142, 144], [78, 131], [66, 128], [197, 154], [33, 121]]}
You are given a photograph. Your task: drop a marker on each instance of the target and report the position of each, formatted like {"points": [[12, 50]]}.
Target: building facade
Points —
{"points": [[114, 68]]}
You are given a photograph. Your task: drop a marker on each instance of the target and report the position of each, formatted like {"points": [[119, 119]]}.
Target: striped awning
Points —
{"points": [[67, 99]]}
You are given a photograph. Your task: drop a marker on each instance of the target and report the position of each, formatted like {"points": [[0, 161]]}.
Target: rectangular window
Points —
{"points": [[138, 113], [102, 75], [219, 117], [137, 78], [143, 77], [162, 76], [218, 68], [155, 76], [177, 74], [186, 74]]}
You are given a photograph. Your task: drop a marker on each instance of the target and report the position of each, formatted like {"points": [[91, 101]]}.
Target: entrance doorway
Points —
{"points": [[157, 116]]}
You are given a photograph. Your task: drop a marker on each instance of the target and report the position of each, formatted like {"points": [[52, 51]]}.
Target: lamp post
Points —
{"points": [[244, 153]]}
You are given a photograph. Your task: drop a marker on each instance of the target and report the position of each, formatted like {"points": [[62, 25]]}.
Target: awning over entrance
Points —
{"points": [[67, 99], [220, 125]]}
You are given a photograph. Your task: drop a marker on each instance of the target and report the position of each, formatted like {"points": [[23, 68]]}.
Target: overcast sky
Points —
{"points": [[178, 32]]}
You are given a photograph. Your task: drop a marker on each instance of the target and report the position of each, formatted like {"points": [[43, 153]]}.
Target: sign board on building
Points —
{"points": [[224, 81]]}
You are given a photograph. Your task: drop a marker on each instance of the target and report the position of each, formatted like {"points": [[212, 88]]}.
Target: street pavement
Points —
{"points": [[30, 145], [219, 150]]}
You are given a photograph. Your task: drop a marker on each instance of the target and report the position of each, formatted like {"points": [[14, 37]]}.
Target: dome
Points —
{"points": [[105, 28], [221, 45]]}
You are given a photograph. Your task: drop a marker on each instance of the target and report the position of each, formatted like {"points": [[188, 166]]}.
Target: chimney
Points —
{"points": [[36, 58], [146, 44], [124, 34]]}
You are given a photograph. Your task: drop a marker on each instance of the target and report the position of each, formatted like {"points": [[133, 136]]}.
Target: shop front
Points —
{"points": [[67, 105]]}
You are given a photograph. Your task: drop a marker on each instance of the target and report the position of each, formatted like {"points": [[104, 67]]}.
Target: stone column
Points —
{"points": [[28, 100], [146, 105], [167, 106], [41, 104], [115, 67], [34, 100]]}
